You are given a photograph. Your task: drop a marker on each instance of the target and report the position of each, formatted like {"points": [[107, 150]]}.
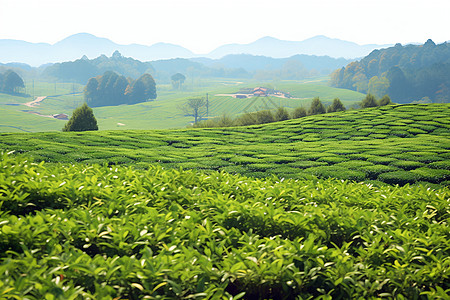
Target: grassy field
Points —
{"points": [[397, 144], [164, 113], [97, 232]]}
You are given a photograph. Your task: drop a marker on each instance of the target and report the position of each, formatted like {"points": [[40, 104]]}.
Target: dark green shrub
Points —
{"points": [[406, 164], [281, 114], [336, 106], [336, 172], [369, 101], [432, 175], [386, 100], [440, 165], [332, 159], [299, 112], [264, 116], [82, 119], [384, 160], [375, 170], [354, 164], [307, 164], [316, 107], [399, 177]]}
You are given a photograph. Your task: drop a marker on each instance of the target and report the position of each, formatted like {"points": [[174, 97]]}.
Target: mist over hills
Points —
{"points": [[77, 45], [319, 45]]}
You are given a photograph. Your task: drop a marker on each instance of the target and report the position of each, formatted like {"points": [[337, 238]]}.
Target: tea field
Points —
{"points": [[398, 144], [82, 231]]}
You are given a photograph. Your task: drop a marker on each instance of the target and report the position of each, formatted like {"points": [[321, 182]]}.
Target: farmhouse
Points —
{"points": [[259, 91]]}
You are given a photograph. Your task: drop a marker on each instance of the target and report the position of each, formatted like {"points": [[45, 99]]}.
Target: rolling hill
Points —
{"points": [[399, 144], [139, 225]]}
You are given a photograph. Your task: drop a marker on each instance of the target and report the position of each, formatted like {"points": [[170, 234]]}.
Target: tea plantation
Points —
{"points": [[397, 144], [97, 232], [350, 205]]}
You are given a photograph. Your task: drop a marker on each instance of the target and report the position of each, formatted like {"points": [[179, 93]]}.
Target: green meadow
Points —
{"points": [[164, 112]]}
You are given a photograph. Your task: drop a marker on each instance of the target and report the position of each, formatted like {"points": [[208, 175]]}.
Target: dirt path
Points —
{"points": [[35, 102]]}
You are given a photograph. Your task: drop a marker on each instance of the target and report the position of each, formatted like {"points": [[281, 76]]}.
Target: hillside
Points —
{"points": [[116, 215], [98, 232], [407, 73], [397, 144]]}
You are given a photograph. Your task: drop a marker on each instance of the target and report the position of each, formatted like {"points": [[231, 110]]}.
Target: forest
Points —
{"points": [[406, 73], [113, 89]]}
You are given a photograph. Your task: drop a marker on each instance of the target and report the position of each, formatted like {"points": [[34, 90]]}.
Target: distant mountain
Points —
{"points": [[251, 63], [318, 45], [77, 45]]}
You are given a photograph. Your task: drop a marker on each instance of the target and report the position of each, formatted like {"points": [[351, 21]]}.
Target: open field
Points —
{"points": [[396, 144], [97, 232], [163, 113]]}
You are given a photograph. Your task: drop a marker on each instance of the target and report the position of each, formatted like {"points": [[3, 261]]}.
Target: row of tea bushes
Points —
{"points": [[361, 145], [77, 231]]}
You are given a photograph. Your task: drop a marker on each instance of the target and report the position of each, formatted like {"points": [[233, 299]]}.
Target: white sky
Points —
{"points": [[203, 25]]}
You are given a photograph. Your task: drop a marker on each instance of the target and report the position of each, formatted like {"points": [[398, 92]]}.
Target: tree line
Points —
{"points": [[406, 73], [282, 114], [81, 70], [112, 89], [11, 82]]}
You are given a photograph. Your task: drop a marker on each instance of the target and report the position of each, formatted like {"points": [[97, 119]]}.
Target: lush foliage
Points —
{"points": [[98, 232], [405, 73], [177, 80], [195, 107], [82, 119], [395, 144], [10, 82], [112, 89], [81, 70]]}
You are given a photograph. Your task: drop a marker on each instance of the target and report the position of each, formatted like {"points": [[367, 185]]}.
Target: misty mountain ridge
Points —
{"points": [[77, 45]]}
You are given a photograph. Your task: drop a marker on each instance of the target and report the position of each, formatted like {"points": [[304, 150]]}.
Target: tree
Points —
{"points": [[299, 112], [386, 100], [112, 89], [369, 101], [264, 116], [143, 89], [316, 107], [378, 86], [177, 80], [82, 120], [195, 107], [336, 106], [281, 114], [12, 82]]}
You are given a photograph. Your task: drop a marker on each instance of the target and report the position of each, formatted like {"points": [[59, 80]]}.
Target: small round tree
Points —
{"points": [[336, 106], [386, 100], [369, 101], [299, 112], [82, 120], [316, 107]]}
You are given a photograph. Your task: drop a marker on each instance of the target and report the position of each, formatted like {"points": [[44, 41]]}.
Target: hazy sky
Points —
{"points": [[202, 25]]}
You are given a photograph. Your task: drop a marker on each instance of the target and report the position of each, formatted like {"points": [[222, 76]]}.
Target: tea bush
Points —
{"points": [[286, 148], [77, 231]]}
